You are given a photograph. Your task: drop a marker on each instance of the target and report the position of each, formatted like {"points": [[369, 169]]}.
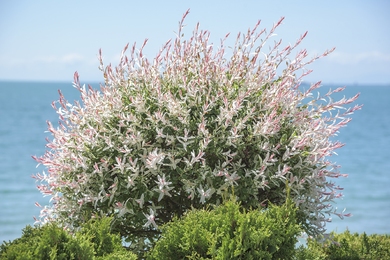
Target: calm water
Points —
{"points": [[25, 107]]}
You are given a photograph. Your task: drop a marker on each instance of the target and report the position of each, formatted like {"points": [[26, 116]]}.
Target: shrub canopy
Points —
{"points": [[227, 233], [178, 131], [93, 241], [347, 245]]}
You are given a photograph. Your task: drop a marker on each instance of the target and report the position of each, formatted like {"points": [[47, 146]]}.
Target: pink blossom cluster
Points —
{"points": [[190, 126]]}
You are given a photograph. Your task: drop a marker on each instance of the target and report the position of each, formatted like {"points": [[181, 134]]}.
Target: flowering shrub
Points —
{"points": [[180, 131]]}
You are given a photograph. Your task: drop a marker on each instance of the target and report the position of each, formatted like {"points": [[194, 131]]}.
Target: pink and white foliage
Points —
{"points": [[180, 130]]}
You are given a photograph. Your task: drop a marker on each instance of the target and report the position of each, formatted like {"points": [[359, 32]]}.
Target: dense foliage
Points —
{"points": [[347, 246], [227, 232], [93, 241], [165, 135]]}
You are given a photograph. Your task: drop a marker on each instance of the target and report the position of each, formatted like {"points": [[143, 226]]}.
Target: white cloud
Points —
{"points": [[48, 67], [44, 59], [354, 58], [71, 58], [65, 59]]}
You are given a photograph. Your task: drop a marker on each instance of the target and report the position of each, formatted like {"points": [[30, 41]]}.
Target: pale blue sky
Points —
{"points": [[50, 40]]}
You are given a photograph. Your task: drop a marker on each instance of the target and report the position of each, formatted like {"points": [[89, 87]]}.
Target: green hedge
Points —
{"points": [[93, 241], [229, 233], [347, 246], [226, 232]]}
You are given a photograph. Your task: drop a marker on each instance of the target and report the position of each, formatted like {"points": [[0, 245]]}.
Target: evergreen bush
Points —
{"points": [[230, 232], [347, 246], [93, 241]]}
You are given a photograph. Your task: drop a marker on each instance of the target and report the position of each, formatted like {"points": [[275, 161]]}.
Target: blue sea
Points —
{"points": [[26, 106]]}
